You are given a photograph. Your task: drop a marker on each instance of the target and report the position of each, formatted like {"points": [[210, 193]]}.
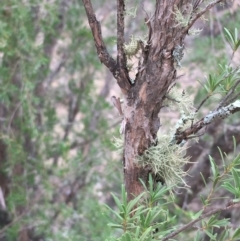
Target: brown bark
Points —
{"points": [[145, 98]]}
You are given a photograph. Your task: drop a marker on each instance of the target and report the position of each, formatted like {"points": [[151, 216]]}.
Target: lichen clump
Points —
{"points": [[166, 160]]}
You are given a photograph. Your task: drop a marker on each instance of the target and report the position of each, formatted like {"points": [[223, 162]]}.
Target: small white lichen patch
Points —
{"points": [[194, 31], [180, 101], [132, 47], [222, 113], [178, 55], [118, 143], [183, 17]]}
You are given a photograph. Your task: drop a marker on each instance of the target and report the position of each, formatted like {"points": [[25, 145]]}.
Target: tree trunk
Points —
{"points": [[145, 99]]}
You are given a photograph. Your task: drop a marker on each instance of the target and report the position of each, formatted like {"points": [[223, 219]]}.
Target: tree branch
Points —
{"points": [[221, 113], [118, 69], [121, 58], [95, 26], [190, 224]]}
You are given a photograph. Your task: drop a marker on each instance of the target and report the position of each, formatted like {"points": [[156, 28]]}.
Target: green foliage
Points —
{"points": [[139, 219], [55, 126], [147, 216], [52, 121], [232, 39]]}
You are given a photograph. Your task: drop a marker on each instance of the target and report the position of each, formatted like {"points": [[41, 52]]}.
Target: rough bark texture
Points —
{"points": [[145, 98]]}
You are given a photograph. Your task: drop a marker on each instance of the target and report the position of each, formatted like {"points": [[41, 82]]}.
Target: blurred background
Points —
{"points": [[58, 161]]}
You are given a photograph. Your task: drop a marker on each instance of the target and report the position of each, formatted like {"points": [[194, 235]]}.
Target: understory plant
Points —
{"points": [[153, 215]]}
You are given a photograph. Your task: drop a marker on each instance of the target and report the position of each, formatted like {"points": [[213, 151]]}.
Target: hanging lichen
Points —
{"points": [[166, 160]]}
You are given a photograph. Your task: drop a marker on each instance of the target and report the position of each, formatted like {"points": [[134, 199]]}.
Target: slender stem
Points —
{"points": [[203, 101], [200, 13], [231, 91]]}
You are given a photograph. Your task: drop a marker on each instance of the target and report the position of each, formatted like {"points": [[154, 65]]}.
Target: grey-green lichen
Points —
{"points": [[178, 55], [118, 143], [132, 47], [183, 103], [222, 113], [166, 160], [183, 16]]}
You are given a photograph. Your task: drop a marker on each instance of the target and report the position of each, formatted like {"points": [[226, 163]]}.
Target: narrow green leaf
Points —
{"points": [[236, 177], [224, 235], [151, 184], [146, 234], [197, 215], [229, 37], [124, 196], [213, 237], [114, 212], [235, 35], [229, 187], [200, 83], [221, 154], [237, 44], [137, 233], [203, 200], [133, 202], [144, 185], [234, 145], [127, 237], [197, 237], [147, 219], [155, 215], [213, 167], [117, 201], [203, 179], [236, 234], [114, 225]]}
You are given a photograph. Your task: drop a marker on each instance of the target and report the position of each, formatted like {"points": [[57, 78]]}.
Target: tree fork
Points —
{"points": [[157, 72]]}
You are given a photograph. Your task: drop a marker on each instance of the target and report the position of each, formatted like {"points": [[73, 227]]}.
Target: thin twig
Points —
{"points": [[231, 91], [190, 224], [235, 97], [196, 4], [201, 104], [200, 13]]}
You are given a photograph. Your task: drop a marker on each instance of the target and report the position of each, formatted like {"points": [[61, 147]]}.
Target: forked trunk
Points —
{"points": [[145, 98], [156, 73]]}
